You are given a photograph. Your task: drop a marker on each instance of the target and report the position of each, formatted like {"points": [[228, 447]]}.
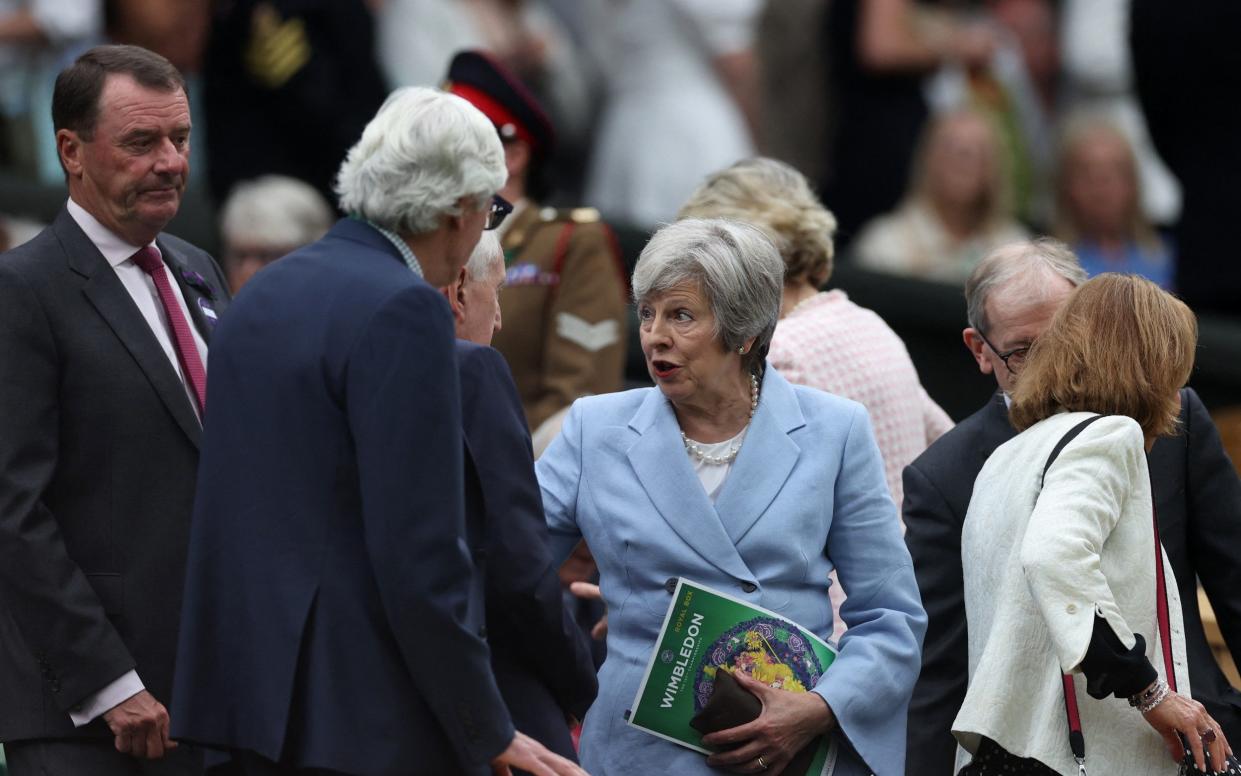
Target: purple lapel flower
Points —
{"points": [[197, 281]]}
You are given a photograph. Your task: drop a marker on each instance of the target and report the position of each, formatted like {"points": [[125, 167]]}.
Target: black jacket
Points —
{"points": [[1197, 498], [98, 457], [541, 659]]}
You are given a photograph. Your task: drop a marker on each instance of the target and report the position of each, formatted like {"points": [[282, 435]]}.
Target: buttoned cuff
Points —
{"points": [[115, 693]]}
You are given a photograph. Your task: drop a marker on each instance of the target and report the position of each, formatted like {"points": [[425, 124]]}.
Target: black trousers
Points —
{"points": [[992, 760], [77, 757]]}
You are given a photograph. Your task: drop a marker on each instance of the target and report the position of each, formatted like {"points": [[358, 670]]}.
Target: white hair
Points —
{"points": [[424, 150], [1027, 265], [487, 253], [274, 211], [736, 266]]}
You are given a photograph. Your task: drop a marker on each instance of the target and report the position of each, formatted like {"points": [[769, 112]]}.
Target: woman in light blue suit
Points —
{"points": [[728, 475]]}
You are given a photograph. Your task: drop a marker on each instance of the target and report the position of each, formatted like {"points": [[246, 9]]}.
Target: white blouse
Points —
{"points": [[712, 475], [1037, 568]]}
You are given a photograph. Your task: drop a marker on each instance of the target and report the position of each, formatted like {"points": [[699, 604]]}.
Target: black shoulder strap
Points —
{"points": [[1069, 436]]}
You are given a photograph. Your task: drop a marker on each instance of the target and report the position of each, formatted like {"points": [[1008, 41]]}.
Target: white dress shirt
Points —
{"points": [[142, 289]]}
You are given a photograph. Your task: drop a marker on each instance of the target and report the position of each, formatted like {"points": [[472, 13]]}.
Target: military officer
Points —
{"points": [[563, 311]]}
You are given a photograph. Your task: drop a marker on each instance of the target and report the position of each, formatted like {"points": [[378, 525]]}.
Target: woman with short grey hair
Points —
{"points": [[728, 475], [744, 294]]}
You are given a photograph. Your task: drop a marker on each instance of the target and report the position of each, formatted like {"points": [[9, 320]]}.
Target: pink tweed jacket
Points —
{"points": [[828, 342]]}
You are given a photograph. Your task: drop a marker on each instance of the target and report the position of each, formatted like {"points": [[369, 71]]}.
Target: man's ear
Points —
{"points": [[69, 147], [457, 301], [454, 292], [974, 342]]}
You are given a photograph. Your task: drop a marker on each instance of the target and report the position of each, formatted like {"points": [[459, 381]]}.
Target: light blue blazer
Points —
{"points": [[805, 495]]}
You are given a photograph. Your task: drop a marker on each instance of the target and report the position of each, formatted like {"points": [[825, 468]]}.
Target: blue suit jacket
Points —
{"points": [[541, 659], [327, 587], [805, 495]]}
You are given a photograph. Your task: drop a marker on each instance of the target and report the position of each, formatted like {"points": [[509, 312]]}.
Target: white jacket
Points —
{"points": [[1037, 567]]}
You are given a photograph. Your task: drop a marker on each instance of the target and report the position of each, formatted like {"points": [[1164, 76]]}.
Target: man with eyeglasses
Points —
{"points": [[329, 623], [1011, 298], [565, 288]]}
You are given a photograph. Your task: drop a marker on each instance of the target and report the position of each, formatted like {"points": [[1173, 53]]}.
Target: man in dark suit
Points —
{"points": [[1012, 297], [104, 324], [326, 619], [541, 659]]}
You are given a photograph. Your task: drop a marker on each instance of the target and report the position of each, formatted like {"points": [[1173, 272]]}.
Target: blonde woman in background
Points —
{"points": [[955, 211], [1099, 203]]}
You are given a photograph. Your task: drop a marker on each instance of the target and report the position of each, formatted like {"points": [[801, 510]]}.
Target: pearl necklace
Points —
{"points": [[696, 451]]}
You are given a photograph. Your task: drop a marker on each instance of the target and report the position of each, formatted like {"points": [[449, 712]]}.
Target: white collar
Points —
{"points": [[114, 249]]}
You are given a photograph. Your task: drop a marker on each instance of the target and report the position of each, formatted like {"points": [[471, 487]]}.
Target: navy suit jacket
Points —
{"points": [[328, 580], [1198, 501], [98, 454], [541, 658]]}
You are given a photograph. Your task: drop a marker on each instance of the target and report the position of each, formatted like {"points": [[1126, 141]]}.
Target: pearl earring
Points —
{"points": [[741, 350]]}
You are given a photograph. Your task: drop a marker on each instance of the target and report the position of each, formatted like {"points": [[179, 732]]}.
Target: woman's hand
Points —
{"points": [[766, 745], [1179, 714], [589, 592]]}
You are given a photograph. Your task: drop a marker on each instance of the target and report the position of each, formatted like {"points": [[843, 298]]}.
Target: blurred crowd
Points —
{"points": [[934, 130], [421, 451]]}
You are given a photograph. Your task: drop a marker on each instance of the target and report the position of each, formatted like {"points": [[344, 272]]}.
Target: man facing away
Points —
{"points": [[1011, 298], [104, 325], [541, 659], [326, 623]]}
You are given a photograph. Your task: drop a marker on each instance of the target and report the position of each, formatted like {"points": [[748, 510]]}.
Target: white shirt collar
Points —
{"points": [[114, 249]]}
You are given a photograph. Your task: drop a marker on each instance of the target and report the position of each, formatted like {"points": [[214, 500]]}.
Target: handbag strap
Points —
{"points": [[1077, 739], [1161, 606]]}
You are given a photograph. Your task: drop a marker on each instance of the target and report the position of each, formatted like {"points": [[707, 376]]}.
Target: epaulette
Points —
{"points": [[577, 215]]}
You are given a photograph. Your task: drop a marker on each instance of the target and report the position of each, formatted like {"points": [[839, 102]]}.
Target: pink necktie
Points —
{"points": [[187, 352]]}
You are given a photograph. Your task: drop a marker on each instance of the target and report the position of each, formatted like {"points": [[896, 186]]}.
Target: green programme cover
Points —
{"points": [[705, 629]]}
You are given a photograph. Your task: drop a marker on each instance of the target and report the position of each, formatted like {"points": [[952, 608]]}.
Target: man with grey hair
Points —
{"points": [[328, 622], [506, 528], [474, 295], [1012, 297]]}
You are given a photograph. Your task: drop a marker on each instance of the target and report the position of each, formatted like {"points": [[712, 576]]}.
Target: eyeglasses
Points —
{"points": [[500, 208], [1013, 359]]}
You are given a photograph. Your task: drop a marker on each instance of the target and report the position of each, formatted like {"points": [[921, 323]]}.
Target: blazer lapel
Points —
{"points": [[198, 296], [104, 291], [766, 459], [659, 460]]}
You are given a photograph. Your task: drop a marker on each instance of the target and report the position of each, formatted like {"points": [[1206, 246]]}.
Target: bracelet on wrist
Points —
{"points": [[1161, 693], [1138, 698]]}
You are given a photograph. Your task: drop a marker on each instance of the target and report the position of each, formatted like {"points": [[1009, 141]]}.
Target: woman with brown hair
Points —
{"points": [[1063, 575]]}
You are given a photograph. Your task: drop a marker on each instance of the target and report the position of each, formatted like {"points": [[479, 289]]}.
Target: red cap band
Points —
{"points": [[492, 109]]}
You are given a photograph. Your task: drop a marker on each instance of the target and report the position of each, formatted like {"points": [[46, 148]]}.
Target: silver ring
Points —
{"points": [[1208, 736], [761, 764]]}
